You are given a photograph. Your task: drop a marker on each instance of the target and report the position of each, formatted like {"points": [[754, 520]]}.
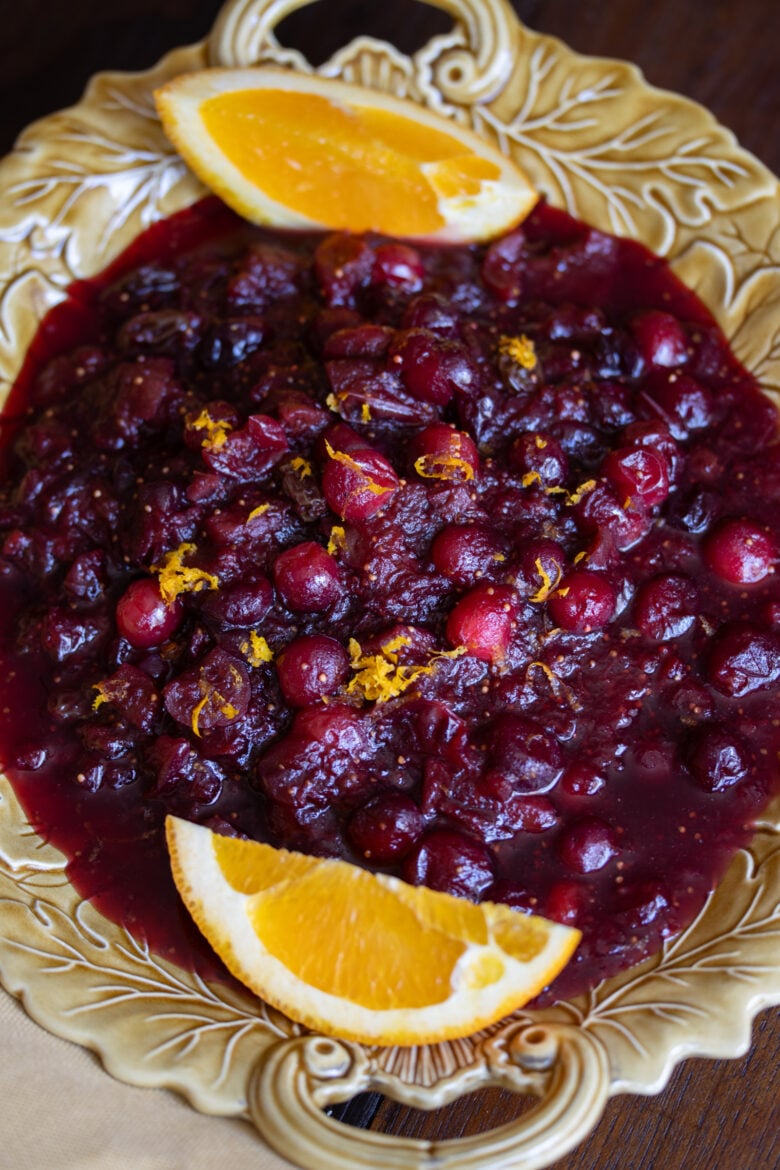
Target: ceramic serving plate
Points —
{"points": [[596, 139]]}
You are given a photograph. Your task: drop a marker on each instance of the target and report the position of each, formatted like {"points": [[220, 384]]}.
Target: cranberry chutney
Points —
{"points": [[456, 562]]}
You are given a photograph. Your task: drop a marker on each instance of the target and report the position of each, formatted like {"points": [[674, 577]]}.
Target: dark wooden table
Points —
{"points": [[724, 53]]}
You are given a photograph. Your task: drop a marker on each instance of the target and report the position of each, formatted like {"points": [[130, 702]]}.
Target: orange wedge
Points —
{"points": [[301, 152], [359, 955]]}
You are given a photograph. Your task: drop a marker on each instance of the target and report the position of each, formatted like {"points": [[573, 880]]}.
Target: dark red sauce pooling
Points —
{"points": [[540, 454]]}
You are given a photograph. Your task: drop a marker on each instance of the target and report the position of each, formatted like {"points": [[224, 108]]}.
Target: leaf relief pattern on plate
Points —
{"points": [[598, 140], [106, 989]]}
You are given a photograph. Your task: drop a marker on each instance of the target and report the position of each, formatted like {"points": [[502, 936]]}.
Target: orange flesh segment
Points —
{"points": [[422, 941], [353, 167], [282, 916]]}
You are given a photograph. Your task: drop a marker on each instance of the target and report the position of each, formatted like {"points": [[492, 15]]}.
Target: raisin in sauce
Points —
{"points": [[541, 451]]}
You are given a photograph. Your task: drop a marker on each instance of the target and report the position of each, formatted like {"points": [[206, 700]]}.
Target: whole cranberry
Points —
{"points": [[531, 813], [210, 695], [342, 265], [584, 602], [340, 437], [581, 779], [433, 312], [638, 473], [509, 893], [541, 565], [601, 510], [655, 436], [452, 863], [666, 607], [739, 551], [503, 264], [661, 339], [466, 552], [565, 902], [482, 621], [232, 340], [385, 829], [86, 577], [432, 368], [144, 618], [358, 341], [719, 758], [245, 603], [249, 452], [684, 404], [358, 484], [307, 577], [439, 451], [131, 692], [398, 266], [299, 416], [523, 753], [744, 658], [587, 845], [537, 454], [311, 667], [336, 727]]}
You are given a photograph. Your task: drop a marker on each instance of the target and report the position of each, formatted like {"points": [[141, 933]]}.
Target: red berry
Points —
{"points": [[584, 602], [582, 779], [503, 265], [143, 618], [666, 607], [684, 404], [342, 264], [657, 437], [743, 659], [602, 512], [439, 451], [307, 577], [311, 667], [432, 368], [638, 473], [719, 758], [587, 845], [482, 621], [431, 311], [537, 454], [739, 551], [386, 827], [565, 902], [466, 552], [451, 862], [358, 341], [244, 603], [661, 339], [358, 484], [523, 753], [541, 564], [398, 266]]}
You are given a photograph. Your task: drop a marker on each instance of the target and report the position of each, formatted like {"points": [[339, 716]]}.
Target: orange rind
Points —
{"points": [[307, 152], [360, 955]]}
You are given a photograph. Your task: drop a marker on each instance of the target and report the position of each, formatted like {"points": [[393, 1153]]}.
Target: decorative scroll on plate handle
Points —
{"points": [[565, 1068], [475, 70]]}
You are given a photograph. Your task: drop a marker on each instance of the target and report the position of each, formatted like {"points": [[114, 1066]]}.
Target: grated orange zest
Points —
{"points": [[175, 577]]}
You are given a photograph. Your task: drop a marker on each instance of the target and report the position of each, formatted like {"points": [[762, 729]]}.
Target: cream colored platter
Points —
{"points": [[597, 140]]}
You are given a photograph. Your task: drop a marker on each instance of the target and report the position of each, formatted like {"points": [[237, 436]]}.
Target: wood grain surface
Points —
{"points": [[724, 53]]}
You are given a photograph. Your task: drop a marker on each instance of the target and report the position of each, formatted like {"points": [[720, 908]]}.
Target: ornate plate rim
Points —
{"points": [[715, 211]]}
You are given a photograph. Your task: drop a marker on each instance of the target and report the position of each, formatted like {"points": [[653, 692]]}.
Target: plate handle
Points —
{"points": [[564, 1067], [471, 64]]}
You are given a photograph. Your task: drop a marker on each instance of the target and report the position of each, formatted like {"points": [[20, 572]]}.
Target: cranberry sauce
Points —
{"points": [[455, 562]]}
